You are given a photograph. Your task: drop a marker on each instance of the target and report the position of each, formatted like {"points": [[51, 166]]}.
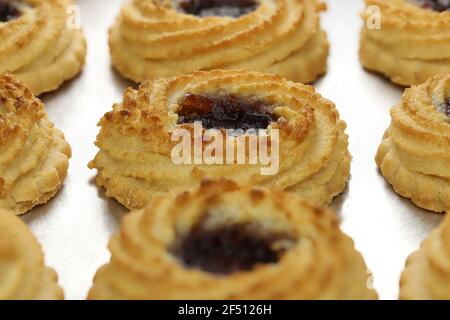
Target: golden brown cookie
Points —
{"points": [[40, 42], [414, 155], [139, 140], [153, 39], [23, 275], [225, 242], [34, 156], [427, 271], [406, 40]]}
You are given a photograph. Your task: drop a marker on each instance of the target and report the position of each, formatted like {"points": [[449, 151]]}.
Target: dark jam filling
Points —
{"points": [[221, 8], [8, 11], [225, 111], [228, 249], [436, 5]]}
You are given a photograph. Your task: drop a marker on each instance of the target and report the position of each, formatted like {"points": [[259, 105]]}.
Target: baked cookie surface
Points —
{"points": [[414, 155], [23, 275], [34, 156], [426, 275], [139, 139], [412, 42], [225, 242], [153, 39], [40, 42]]}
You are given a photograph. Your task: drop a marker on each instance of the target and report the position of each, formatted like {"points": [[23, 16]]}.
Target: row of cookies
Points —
{"points": [[406, 40], [136, 160], [223, 241]]}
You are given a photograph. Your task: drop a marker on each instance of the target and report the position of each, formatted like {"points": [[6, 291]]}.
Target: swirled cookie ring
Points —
{"points": [[427, 271], [23, 275], [40, 42], [306, 153], [34, 156], [222, 241], [406, 40], [414, 155], [153, 39]]}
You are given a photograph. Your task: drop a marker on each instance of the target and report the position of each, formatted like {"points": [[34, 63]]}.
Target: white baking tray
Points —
{"points": [[74, 227]]}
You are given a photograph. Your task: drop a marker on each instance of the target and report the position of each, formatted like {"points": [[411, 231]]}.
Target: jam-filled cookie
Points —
{"points": [[254, 128], [153, 39], [427, 271], [414, 155], [34, 156], [406, 40], [222, 241], [40, 42], [23, 275]]}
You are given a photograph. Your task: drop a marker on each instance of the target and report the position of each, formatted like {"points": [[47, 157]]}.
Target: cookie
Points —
{"points": [[41, 43], [34, 156], [426, 275], [154, 39], [222, 241], [408, 41], [23, 275], [270, 132], [415, 151]]}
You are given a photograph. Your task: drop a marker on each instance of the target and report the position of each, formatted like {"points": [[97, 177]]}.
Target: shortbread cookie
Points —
{"points": [[414, 155], [153, 39], [406, 40], [225, 242], [34, 156], [139, 139], [40, 42], [427, 272], [23, 275]]}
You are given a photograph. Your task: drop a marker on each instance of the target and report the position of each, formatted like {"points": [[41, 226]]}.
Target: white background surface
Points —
{"points": [[74, 228]]}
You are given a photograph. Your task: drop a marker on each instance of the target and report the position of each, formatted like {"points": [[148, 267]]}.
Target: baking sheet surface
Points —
{"points": [[74, 228]]}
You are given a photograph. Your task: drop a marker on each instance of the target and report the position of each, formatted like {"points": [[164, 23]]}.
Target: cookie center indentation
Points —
{"points": [[225, 111], [9, 10], [231, 248], [436, 5], [221, 8]]}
